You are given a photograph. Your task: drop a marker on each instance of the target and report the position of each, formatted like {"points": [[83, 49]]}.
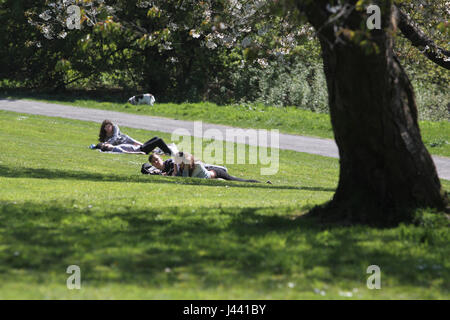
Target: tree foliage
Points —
{"points": [[188, 49]]}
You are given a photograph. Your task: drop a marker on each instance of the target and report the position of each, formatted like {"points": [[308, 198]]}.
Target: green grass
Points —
{"points": [[150, 237], [291, 120]]}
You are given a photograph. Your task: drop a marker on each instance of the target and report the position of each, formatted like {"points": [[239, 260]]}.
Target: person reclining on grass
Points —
{"points": [[171, 168], [145, 148], [190, 167], [167, 168], [121, 148]]}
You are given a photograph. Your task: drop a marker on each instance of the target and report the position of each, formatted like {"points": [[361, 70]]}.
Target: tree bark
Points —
{"points": [[385, 169]]}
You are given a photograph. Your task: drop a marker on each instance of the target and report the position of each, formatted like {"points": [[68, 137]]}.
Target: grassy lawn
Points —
{"points": [[149, 237], [288, 120]]}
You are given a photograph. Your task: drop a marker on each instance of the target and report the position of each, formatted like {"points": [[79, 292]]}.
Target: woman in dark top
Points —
{"points": [[167, 167]]}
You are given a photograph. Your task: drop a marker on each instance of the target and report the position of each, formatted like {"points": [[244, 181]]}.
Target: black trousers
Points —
{"points": [[221, 173], [154, 142]]}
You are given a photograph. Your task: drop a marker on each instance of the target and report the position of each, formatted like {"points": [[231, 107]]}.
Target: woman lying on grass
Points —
{"points": [[167, 168], [121, 148], [138, 148], [185, 165]]}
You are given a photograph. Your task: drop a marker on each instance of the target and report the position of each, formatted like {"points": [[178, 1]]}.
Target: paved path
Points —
{"points": [[323, 147]]}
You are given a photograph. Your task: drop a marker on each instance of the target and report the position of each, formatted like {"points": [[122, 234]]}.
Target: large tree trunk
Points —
{"points": [[385, 169]]}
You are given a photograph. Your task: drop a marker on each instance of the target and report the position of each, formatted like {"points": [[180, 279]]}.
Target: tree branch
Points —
{"points": [[421, 41]]}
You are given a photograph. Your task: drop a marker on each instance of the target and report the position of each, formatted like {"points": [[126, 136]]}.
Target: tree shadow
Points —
{"points": [[204, 247], [44, 173]]}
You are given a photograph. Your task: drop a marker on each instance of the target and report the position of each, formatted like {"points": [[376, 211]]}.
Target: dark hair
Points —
{"points": [[102, 134], [150, 157], [104, 147]]}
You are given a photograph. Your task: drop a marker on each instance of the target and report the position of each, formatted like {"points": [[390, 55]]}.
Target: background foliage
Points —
{"points": [[219, 51]]}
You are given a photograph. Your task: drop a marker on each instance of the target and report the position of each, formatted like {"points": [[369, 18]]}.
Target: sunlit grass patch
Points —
{"points": [[150, 237]]}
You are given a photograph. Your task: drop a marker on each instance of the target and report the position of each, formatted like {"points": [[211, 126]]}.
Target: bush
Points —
{"points": [[281, 83], [433, 102]]}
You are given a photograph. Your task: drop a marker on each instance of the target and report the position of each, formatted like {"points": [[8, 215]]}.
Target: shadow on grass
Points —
{"points": [[202, 248], [42, 173]]}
